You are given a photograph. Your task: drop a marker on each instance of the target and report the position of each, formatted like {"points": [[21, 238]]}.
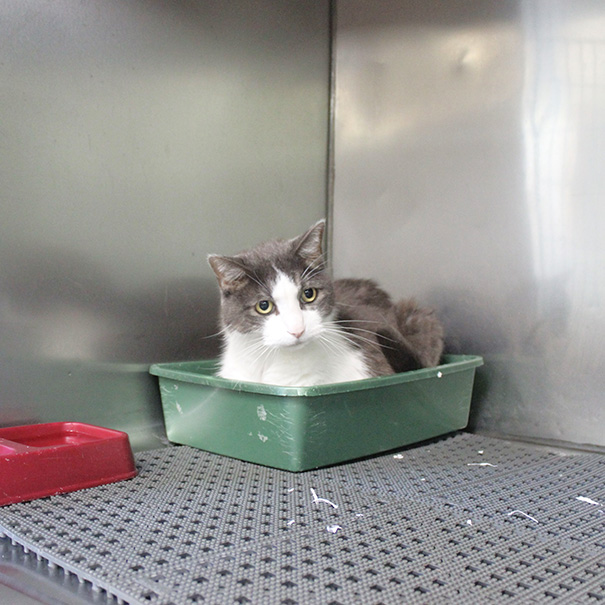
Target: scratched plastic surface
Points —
{"points": [[462, 519], [300, 428], [40, 460]]}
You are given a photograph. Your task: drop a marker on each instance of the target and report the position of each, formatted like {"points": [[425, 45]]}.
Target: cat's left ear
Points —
{"points": [[228, 270], [309, 245]]}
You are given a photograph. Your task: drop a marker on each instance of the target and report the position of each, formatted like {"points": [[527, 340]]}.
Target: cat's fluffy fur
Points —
{"points": [[309, 329]]}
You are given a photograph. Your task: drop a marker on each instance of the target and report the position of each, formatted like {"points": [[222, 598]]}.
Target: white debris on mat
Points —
{"points": [[480, 452], [520, 512], [481, 464], [398, 456], [291, 490], [262, 437], [261, 412], [588, 500], [469, 522], [333, 528], [291, 522], [439, 374], [316, 498]]}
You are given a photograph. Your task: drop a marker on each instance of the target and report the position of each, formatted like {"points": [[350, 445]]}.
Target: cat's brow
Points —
{"points": [[256, 279], [313, 268]]}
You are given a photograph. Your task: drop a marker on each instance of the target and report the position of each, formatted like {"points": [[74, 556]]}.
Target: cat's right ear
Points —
{"points": [[229, 271], [309, 245]]}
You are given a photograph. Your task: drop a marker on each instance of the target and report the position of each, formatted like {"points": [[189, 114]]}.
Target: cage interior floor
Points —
{"points": [[465, 517]]}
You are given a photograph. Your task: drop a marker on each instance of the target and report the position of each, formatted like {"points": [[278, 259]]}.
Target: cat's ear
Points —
{"points": [[309, 245], [229, 271]]}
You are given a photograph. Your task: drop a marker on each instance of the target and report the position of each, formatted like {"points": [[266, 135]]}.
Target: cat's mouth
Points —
{"points": [[297, 343]]}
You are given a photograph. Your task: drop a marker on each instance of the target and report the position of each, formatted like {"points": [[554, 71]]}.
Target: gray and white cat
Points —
{"points": [[285, 322]]}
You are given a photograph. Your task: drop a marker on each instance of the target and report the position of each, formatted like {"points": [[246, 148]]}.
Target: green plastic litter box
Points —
{"points": [[301, 428]]}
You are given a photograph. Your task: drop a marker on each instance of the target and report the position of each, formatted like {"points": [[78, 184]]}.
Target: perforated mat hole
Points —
{"points": [[150, 595], [421, 590], [596, 597]]}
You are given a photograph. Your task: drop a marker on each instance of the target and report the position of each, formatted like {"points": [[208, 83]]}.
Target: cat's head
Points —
{"points": [[278, 290]]}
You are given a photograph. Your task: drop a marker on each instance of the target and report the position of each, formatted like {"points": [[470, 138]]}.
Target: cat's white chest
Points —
{"points": [[306, 365]]}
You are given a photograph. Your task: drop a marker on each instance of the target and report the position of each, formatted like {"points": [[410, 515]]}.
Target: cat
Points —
{"points": [[285, 322]]}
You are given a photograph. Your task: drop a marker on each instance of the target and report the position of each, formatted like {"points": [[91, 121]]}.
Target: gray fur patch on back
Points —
{"points": [[397, 337]]}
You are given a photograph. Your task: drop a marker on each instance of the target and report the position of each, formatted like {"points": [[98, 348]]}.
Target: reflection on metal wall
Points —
{"points": [[468, 155], [136, 138]]}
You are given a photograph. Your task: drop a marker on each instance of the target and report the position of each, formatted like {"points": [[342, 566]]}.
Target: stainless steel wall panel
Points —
{"points": [[468, 162], [137, 137]]}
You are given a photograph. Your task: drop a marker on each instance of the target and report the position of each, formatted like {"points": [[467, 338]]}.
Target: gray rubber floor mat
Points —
{"points": [[465, 518]]}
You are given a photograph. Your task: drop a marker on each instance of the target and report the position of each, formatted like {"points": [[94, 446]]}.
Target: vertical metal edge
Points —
{"points": [[330, 173]]}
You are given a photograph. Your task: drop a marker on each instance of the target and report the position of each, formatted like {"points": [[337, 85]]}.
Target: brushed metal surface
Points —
{"points": [[469, 173], [136, 138]]}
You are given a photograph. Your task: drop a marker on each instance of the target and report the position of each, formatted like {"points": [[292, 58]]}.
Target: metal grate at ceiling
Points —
{"points": [[465, 518]]}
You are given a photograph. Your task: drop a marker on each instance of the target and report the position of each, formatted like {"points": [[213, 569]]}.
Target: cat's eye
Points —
{"points": [[309, 295], [264, 307]]}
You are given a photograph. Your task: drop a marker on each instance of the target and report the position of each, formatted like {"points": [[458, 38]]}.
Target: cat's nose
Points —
{"points": [[298, 333]]}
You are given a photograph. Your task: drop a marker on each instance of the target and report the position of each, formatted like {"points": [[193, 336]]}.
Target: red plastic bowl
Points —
{"points": [[41, 460]]}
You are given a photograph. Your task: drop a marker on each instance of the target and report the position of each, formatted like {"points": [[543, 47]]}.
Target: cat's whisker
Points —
{"points": [[261, 284], [365, 321], [353, 329], [350, 338], [250, 274], [380, 335], [320, 258], [259, 349], [329, 348], [313, 268], [346, 325], [332, 345], [219, 333], [256, 346], [313, 273], [266, 355], [357, 338]]}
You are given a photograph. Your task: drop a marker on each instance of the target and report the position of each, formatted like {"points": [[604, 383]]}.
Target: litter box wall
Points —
{"points": [[469, 172], [137, 137]]}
